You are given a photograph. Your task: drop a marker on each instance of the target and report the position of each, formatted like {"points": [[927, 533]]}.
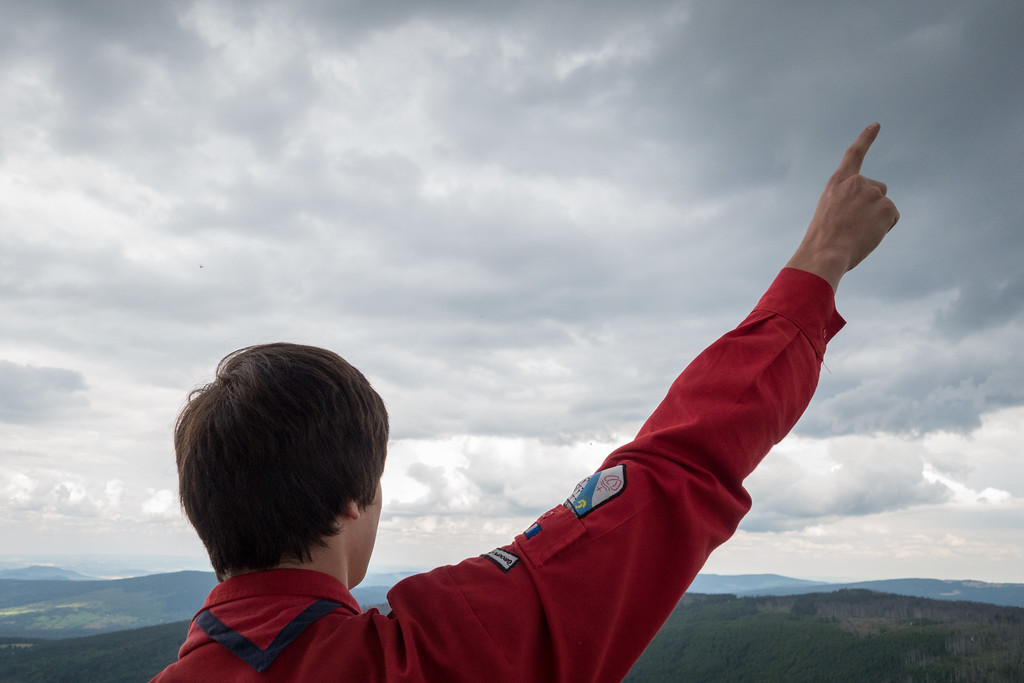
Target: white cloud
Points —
{"points": [[19, 489], [964, 495], [160, 504], [808, 482], [46, 498], [113, 493], [485, 477], [928, 542]]}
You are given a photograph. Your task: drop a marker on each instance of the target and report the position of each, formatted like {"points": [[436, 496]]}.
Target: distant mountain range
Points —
{"points": [[49, 602], [44, 573], [749, 584], [1007, 594]]}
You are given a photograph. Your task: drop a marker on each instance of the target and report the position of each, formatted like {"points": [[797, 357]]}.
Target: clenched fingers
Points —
{"points": [[882, 187]]}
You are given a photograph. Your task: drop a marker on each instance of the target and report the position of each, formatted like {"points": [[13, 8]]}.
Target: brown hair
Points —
{"points": [[272, 451]]}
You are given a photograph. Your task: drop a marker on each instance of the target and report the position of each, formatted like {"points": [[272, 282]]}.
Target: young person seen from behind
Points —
{"points": [[280, 461]]}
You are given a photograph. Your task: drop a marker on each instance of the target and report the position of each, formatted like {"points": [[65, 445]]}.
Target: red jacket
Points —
{"points": [[579, 594]]}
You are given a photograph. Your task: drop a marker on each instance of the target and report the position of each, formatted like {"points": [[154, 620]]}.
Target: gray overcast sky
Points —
{"points": [[521, 220]]}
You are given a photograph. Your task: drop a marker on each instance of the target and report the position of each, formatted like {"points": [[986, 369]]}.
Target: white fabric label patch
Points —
{"points": [[503, 558], [596, 490]]}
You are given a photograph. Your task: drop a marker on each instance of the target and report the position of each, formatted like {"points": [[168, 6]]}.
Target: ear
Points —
{"points": [[351, 511]]}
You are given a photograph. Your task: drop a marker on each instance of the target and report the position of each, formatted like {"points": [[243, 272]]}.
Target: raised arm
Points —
{"points": [[581, 592]]}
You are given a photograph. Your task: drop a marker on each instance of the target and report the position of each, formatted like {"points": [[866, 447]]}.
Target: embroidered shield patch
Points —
{"points": [[596, 490]]}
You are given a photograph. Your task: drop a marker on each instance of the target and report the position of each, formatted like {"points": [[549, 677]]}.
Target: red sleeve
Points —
{"points": [[583, 591]]}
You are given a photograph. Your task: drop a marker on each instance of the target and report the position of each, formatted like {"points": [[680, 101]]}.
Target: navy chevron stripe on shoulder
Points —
{"points": [[244, 649]]}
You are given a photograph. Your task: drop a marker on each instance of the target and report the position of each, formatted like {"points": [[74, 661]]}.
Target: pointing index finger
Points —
{"points": [[854, 157]]}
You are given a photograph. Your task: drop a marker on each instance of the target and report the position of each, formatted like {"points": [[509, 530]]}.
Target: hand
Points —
{"points": [[852, 217]]}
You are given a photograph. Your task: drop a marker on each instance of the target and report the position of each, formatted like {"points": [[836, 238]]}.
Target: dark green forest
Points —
{"points": [[119, 657], [850, 635]]}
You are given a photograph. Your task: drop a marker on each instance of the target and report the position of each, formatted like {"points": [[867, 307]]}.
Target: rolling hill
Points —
{"points": [[61, 609]]}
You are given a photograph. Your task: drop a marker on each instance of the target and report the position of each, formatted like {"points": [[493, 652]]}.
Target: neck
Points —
{"points": [[326, 562], [328, 559]]}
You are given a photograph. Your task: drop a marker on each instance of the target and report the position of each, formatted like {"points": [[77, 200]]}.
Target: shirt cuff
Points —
{"points": [[807, 301]]}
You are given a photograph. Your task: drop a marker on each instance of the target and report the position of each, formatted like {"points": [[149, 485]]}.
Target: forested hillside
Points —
{"points": [[853, 636], [64, 609], [849, 635], [123, 657]]}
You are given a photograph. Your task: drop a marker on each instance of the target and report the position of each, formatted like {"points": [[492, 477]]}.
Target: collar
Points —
{"points": [[297, 582]]}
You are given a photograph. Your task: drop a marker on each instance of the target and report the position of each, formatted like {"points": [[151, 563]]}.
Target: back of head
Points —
{"points": [[272, 451]]}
